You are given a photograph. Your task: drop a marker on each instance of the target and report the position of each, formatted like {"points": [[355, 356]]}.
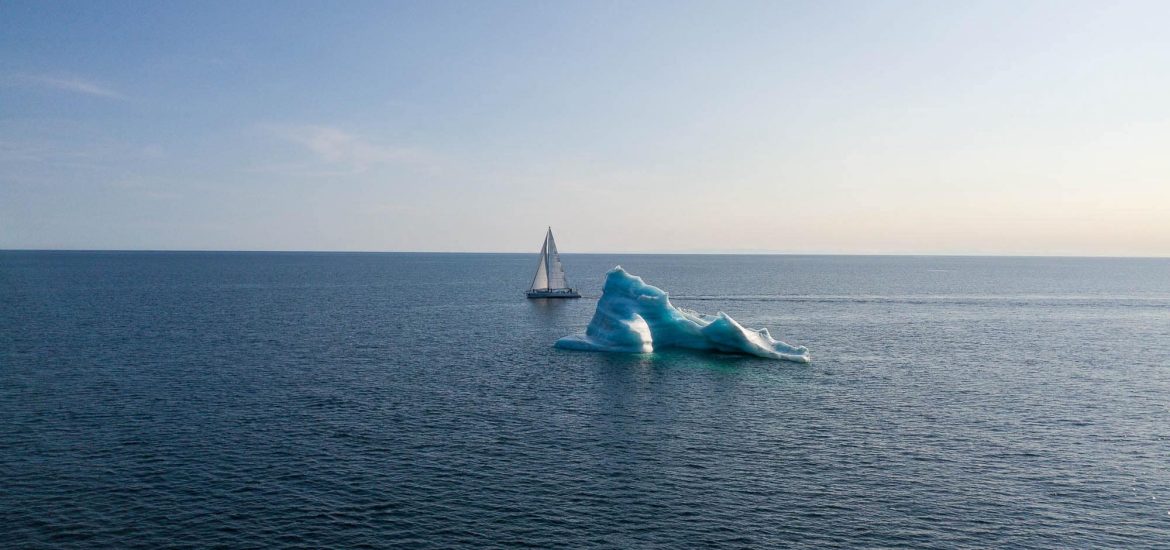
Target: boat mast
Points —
{"points": [[550, 248]]}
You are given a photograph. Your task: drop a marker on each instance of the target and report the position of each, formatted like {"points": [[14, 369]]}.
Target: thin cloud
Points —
{"points": [[67, 84], [336, 146], [63, 152], [138, 187]]}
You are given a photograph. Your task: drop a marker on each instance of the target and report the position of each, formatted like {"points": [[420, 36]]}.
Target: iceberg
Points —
{"points": [[635, 317]]}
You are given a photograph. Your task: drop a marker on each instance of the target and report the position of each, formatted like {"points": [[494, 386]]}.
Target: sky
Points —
{"points": [[876, 127]]}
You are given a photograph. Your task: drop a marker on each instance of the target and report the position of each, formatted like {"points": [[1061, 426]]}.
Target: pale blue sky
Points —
{"points": [[838, 127]]}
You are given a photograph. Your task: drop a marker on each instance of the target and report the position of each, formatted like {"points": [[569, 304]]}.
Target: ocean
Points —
{"points": [[330, 400]]}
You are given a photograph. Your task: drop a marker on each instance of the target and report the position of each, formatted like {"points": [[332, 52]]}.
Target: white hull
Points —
{"points": [[558, 293]]}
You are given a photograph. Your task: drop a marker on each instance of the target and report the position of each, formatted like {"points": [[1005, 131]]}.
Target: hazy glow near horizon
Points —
{"points": [[841, 127]]}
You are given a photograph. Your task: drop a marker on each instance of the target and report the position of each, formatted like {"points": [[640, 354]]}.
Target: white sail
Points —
{"points": [[550, 274], [556, 272], [540, 281]]}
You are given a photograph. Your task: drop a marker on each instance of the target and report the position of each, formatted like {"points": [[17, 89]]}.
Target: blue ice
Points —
{"points": [[633, 316]]}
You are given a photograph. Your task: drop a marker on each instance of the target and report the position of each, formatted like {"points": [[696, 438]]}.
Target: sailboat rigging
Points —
{"points": [[550, 280]]}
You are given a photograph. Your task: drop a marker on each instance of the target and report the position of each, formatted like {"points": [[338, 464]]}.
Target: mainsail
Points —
{"points": [[540, 281], [550, 275]]}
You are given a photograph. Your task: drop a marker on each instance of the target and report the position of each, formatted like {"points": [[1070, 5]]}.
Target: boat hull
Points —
{"points": [[567, 293]]}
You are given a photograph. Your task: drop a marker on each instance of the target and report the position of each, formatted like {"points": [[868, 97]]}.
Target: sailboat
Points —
{"points": [[550, 281]]}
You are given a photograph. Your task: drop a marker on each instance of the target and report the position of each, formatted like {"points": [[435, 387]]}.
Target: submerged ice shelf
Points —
{"points": [[633, 316]]}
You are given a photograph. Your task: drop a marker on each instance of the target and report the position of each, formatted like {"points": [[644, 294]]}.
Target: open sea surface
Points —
{"points": [[258, 400]]}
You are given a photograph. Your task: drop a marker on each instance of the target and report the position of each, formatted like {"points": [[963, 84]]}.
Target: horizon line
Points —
{"points": [[640, 253]]}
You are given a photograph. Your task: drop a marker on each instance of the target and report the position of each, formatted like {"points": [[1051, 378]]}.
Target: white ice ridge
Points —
{"points": [[633, 316]]}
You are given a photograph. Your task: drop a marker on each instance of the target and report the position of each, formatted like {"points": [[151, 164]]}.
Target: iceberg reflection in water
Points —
{"points": [[633, 316]]}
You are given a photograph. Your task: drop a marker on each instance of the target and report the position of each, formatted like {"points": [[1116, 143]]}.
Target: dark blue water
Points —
{"points": [[345, 400]]}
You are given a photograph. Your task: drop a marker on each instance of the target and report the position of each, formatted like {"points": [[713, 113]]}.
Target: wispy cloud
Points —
{"points": [[65, 152], [51, 160], [338, 147], [71, 84], [133, 186]]}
